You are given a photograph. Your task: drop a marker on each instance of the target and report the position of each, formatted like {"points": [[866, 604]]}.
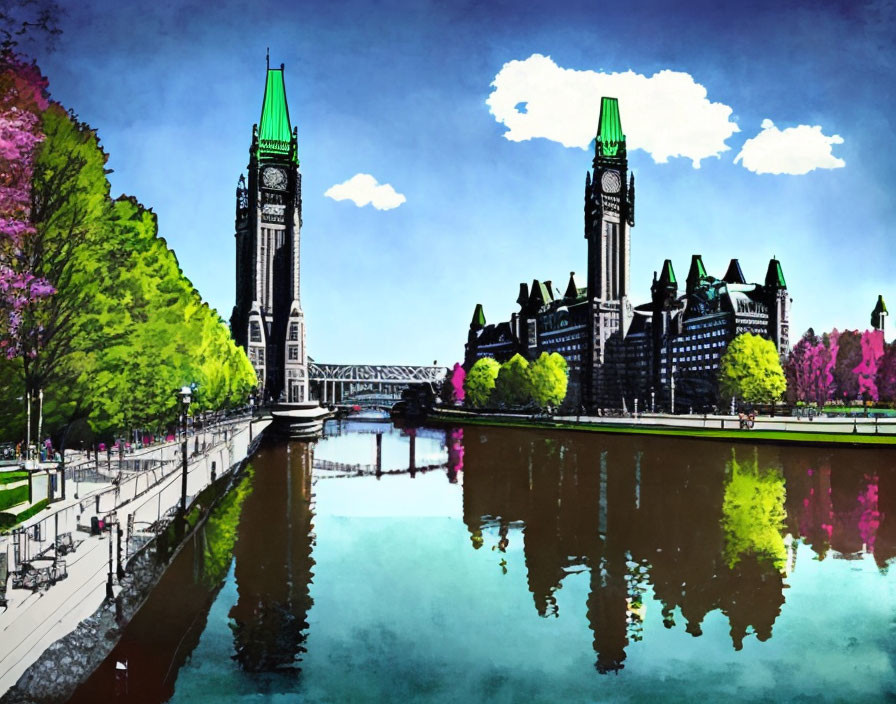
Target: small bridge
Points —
{"points": [[375, 384]]}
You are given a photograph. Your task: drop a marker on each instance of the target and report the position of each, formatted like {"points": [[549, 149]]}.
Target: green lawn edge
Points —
{"points": [[10, 520], [776, 436]]}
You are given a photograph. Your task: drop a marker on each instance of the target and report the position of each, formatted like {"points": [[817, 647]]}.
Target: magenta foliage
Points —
{"points": [[886, 374], [866, 371], [458, 374], [22, 99], [809, 369]]}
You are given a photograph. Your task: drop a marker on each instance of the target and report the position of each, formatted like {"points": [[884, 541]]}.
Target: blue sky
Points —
{"points": [[399, 91]]}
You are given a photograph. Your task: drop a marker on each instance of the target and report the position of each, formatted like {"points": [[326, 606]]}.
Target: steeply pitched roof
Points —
{"points": [[572, 288], [609, 130], [696, 272], [274, 131], [879, 313], [734, 275], [667, 275], [540, 295], [478, 320], [774, 277]]}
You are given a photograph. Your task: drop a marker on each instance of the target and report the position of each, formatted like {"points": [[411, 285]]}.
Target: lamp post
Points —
{"points": [[110, 594], [28, 428], [40, 419], [184, 395]]}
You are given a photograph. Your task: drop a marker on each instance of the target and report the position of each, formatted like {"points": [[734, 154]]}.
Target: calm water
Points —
{"points": [[528, 567]]}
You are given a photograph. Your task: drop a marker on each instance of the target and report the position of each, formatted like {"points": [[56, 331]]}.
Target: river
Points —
{"points": [[498, 565]]}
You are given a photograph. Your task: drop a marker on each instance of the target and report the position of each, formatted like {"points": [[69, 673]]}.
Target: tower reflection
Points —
{"points": [[274, 563]]}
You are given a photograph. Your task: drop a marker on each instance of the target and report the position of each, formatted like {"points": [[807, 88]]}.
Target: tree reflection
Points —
{"points": [[707, 527]]}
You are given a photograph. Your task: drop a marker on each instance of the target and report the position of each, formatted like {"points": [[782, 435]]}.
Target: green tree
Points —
{"points": [[750, 369], [124, 327], [549, 375], [513, 386], [480, 382]]}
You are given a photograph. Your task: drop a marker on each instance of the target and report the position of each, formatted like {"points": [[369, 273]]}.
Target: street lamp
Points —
{"points": [[185, 397]]}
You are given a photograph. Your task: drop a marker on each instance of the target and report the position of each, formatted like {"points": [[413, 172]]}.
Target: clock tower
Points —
{"points": [[609, 213], [267, 320]]}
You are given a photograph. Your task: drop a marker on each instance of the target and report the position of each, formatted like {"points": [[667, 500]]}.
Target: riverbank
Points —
{"points": [[819, 431], [51, 638]]}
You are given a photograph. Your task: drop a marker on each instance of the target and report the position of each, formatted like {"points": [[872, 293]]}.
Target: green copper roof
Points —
{"points": [[478, 320], [274, 131], [881, 307], [697, 270], [667, 276], [609, 131], [775, 276]]}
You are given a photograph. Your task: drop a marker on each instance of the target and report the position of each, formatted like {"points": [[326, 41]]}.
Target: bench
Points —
{"points": [[65, 544], [39, 578]]}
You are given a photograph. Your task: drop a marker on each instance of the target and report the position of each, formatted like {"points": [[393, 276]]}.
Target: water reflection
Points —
{"points": [[274, 564], [708, 527], [677, 534]]}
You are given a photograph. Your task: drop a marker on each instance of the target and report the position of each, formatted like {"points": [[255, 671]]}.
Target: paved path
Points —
{"points": [[35, 620]]}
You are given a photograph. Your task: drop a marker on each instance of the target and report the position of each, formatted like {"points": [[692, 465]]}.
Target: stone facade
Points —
{"points": [[654, 354], [267, 319]]}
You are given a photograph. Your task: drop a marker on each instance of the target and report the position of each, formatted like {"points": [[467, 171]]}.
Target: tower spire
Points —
{"points": [[609, 131], [274, 131]]}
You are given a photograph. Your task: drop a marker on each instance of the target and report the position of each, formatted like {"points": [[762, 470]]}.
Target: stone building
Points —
{"points": [[617, 352], [267, 320]]}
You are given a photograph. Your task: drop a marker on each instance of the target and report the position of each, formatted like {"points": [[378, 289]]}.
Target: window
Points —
{"points": [[254, 332], [293, 352], [293, 332]]}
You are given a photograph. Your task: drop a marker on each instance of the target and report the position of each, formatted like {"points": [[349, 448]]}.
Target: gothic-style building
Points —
{"points": [[619, 353], [267, 320]]}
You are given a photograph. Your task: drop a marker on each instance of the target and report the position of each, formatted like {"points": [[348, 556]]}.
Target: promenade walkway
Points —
{"points": [[137, 501], [818, 430]]}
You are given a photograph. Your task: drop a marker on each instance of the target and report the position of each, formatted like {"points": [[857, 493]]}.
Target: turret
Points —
{"points": [[664, 289], [695, 273], [734, 275], [778, 302], [572, 288], [478, 321], [774, 277], [879, 314]]}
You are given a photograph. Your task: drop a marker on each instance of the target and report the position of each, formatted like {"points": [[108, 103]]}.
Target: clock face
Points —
{"points": [[610, 182], [274, 178]]}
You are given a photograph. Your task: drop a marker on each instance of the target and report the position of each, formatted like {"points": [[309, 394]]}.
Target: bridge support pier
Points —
{"points": [[379, 454]]}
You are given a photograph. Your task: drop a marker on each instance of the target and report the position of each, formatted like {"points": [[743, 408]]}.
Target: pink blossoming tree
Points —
{"points": [[22, 99]]}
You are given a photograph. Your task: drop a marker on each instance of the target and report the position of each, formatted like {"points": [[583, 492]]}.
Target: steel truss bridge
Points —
{"points": [[369, 384]]}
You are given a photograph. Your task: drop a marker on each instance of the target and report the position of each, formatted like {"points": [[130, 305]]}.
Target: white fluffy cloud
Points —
{"points": [[364, 189], [794, 150], [666, 115]]}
